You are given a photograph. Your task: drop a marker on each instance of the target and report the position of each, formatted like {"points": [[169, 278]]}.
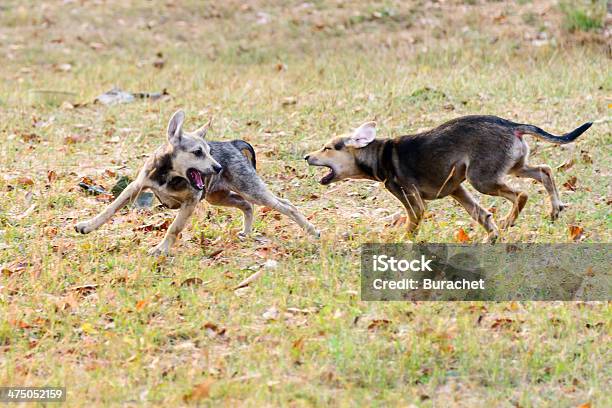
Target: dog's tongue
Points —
{"points": [[197, 177]]}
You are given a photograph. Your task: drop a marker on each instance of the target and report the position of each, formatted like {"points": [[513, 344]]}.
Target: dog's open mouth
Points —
{"points": [[196, 178], [328, 177]]}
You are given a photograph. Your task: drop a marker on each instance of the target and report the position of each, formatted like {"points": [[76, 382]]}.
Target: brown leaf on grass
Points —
{"points": [[24, 181], [462, 236], [30, 137], [50, 231], [215, 253], [85, 290], [157, 226], [585, 405], [199, 392], [586, 157], [298, 344], [502, 323], [192, 282], [67, 302], [570, 184], [378, 323], [51, 176], [19, 323], [73, 139], [141, 304], [567, 165], [110, 173], [105, 198], [399, 221], [10, 268], [513, 306], [250, 279], [214, 329], [576, 232]]}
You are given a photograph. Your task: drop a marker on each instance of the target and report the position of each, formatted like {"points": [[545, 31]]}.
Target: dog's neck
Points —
{"points": [[374, 159]]}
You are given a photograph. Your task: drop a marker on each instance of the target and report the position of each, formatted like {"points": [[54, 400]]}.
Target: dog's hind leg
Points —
{"points": [[484, 217], [128, 194], [228, 198], [262, 196], [543, 174], [501, 189]]}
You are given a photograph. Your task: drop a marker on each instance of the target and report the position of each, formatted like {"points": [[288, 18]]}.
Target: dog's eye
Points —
{"points": [[198, 153]]}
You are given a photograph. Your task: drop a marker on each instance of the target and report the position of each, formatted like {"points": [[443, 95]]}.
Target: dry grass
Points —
{"points": [[116, 327]]}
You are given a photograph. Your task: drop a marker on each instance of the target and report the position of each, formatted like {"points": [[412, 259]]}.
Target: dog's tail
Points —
{"points": [[541, 134], [247, 151]]}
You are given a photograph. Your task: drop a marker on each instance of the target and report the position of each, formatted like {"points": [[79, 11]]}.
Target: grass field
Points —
{"points": [[97, 315]]}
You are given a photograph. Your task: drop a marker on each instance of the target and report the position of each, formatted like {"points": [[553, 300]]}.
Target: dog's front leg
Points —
{"points": [[175, 228], [128, 194]]}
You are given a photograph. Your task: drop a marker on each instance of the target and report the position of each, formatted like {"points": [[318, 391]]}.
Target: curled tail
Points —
{"points": [[247, 151], [541, 134]]}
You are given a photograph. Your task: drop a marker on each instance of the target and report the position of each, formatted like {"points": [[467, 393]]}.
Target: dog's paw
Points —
{"points": [[242, 235], [158, 250], [491, 238], [554, 214], [506, 223], [83, 227]]}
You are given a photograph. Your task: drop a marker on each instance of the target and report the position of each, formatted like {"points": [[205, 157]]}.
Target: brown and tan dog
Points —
{"points": [[434, 164]]}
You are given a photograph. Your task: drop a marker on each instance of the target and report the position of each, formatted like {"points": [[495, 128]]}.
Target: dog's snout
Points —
{"points": [[217, 168], [307, 157]]}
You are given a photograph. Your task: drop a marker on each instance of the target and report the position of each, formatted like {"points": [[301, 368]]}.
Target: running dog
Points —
{"points": [[433, 164], [187, 169]]}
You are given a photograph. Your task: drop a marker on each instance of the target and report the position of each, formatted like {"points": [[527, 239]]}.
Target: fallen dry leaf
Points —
{"points": [[576, 232], [199, 392], [502, 323], [192, 281], [157, 226], [84, 290], [378, 323], [567, 165], [462, 236], [215, 329], [24, 181], [141, 304], [51, 176], [570, 184], [10, 268]]}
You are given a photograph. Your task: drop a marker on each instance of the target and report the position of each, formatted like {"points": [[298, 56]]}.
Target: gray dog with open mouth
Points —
{"points": [[187, 169], [434, 164]]}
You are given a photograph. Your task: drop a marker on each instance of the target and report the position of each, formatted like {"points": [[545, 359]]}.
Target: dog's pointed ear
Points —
{"points": [[362, 136], [201, 132], [175, 126]]}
